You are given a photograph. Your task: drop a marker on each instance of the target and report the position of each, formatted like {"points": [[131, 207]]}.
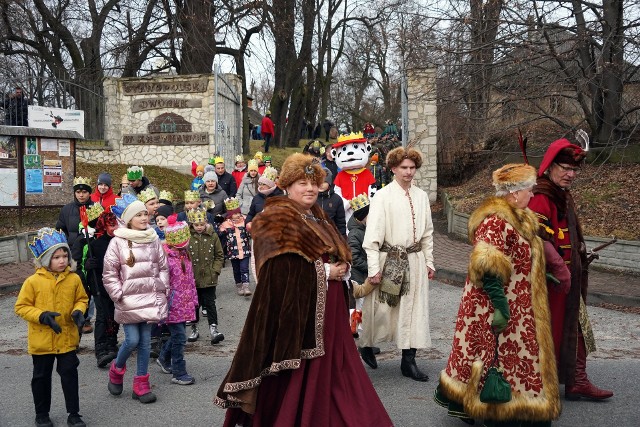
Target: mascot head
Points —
{"points": [[351, 151]]}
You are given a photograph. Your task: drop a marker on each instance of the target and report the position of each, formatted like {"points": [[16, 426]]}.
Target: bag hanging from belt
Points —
{"points": [[496, 389], [395, 274]]}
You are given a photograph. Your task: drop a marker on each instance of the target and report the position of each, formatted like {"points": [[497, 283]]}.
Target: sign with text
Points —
{"points": [[157, 103], [174, 86], [56, 118]]}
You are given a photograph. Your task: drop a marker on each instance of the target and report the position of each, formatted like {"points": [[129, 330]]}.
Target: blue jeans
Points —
{"points": [[267, 141], [136, 336], [173, 350], [241, 269]]}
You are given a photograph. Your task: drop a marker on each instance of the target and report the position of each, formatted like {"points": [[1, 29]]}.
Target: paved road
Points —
{"points": [[409, 403]]}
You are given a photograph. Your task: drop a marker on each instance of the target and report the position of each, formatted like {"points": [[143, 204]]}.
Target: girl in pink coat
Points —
{"points": [[136, 277], [183, 300]]}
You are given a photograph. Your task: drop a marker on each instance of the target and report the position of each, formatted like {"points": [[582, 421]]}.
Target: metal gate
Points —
{"points": [[228, 119]]}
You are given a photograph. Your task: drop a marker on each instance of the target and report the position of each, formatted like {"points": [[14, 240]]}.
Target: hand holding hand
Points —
{"points": [[337, 270], [48, 318], [78, 318], [431, 273], [375, 280]]}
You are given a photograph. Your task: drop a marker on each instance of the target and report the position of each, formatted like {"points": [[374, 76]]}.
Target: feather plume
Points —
{"points": [[523, 146], [583, 139]]}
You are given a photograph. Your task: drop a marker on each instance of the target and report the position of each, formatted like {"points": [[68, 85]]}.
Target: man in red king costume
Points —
{"points": [[552, 202], [351, 154]]}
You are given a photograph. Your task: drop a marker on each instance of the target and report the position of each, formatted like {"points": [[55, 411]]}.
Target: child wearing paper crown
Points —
{"points": [[182, 298], [207, 258], [235, 235], [136, 277], [52, 302]]}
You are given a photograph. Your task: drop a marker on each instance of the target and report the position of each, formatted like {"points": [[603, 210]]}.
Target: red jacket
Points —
{"points": [[107, 199], [238, 175], [267, 126]]}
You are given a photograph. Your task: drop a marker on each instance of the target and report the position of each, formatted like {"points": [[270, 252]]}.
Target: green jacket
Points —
{"points": [[206, 256], [43, 292]]}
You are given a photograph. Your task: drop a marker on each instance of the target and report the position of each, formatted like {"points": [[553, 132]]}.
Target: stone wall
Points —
{"points": [[167, 121], [422, 126]]}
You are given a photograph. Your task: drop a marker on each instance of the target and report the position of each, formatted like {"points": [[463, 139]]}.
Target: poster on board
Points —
{"points": [[52, 170], [9, 187], [33, 181], [56, 118], [48, 144]]}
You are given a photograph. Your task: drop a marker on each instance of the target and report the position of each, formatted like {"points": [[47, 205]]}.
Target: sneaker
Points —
{"points": [[165, 367], [75, 420], [43, 421], [87, 328], [194, 333], [185, 379], [216, 336], [204, 311], [245, 289], [240, 289]]}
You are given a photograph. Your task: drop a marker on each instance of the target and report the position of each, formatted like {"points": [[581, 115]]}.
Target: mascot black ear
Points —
{"points": [[369, 148], [333, 152]]}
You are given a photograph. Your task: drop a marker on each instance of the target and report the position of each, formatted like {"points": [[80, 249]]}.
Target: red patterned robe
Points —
{"points": [[506, 245]]}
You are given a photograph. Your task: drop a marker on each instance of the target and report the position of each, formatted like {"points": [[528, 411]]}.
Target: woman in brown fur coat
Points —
{"points": [[505, 295], [296, 362]]}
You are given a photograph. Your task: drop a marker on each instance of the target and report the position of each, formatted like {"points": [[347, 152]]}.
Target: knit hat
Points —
{"points": [[176, 233], [166, 197], [81, 183], [360, 206], [328, 177], [46, 243], [165, 211], [197, 215], [210, 176], [147, 194], [134, 173], [191, 196], [268, 177], [127, 207], [513, 177], [209, 168], [252, 165], [200, 168], [104, 178], [561, 151], [232, 204], [300, 166]]}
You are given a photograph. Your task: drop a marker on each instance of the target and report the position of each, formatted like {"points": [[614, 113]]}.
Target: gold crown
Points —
{"points": [[239, 158], [166, 195], [359, 202], [197, 215], [147, 194], [191, 196], [271, 174], [79, 180], [258, 155], [94, 211], [217, 160], [177, 235], [252, 164], [349, 137], [231, 203]]}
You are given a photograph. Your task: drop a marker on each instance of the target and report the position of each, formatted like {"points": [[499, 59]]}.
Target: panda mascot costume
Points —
{"points": [[351, 154]]}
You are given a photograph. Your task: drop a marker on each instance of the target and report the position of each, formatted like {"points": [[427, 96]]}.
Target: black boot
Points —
{"points": [[408, 366], [369, 358]]}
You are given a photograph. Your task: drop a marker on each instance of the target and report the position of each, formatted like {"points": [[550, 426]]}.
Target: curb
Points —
{"points": [[7, 288]]}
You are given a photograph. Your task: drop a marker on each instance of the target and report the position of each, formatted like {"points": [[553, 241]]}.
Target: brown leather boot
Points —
{"points": [[582, 386]]}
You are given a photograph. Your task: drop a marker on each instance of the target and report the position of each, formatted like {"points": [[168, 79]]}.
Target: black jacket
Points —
{"points": [[257, 204], [98, 249], [227, 182], [359, 268], [333, 206], [16, 111], [69, 220]]}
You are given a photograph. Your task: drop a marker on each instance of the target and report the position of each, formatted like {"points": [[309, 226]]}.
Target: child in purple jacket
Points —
{"points": [[182, 299]]}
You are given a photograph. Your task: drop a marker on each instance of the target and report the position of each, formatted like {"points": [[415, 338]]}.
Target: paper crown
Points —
{"points": [[134, 173], [80, 180], [123, 203], [350, 138], [191, 196], [359, 202], [267, 158], [239, 158], [166, 195], [94, 211], [208, 204], [216, 160], [147, 194], [197, 215], [232, 203], [258, 155], [46, 239], [270, 173], [176, 233], [252, 165]]}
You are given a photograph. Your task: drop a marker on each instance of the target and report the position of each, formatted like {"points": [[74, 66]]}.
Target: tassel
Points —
{"points": [[560, 234]]}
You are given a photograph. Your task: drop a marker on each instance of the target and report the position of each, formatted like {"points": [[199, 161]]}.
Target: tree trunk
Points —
{"points": [[196, 18]]}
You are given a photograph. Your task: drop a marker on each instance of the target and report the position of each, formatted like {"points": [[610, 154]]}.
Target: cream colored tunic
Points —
{"points": [[398, 217]]}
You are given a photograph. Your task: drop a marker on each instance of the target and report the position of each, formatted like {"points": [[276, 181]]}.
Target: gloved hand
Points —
{"points": [[492, 285], [78, 318], [91, 263], [48, 318]]}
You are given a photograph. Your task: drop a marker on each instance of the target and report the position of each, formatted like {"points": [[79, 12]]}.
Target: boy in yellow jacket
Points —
{"points": [[53, 301]]}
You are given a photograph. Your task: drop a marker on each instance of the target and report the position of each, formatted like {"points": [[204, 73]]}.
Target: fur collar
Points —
{"points": [[523, 220], [282, 228]]}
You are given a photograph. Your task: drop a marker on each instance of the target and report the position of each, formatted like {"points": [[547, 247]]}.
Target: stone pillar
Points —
{"points": [[423, 126]]}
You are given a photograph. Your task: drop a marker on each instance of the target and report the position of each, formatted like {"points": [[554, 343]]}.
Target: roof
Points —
{"points": [[47, 133]]}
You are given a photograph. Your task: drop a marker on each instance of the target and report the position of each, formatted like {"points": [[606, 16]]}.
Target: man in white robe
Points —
{"points": [[399, 223]]}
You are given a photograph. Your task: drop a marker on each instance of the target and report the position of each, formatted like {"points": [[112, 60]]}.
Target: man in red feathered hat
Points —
{"points": [[559, 225]]}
